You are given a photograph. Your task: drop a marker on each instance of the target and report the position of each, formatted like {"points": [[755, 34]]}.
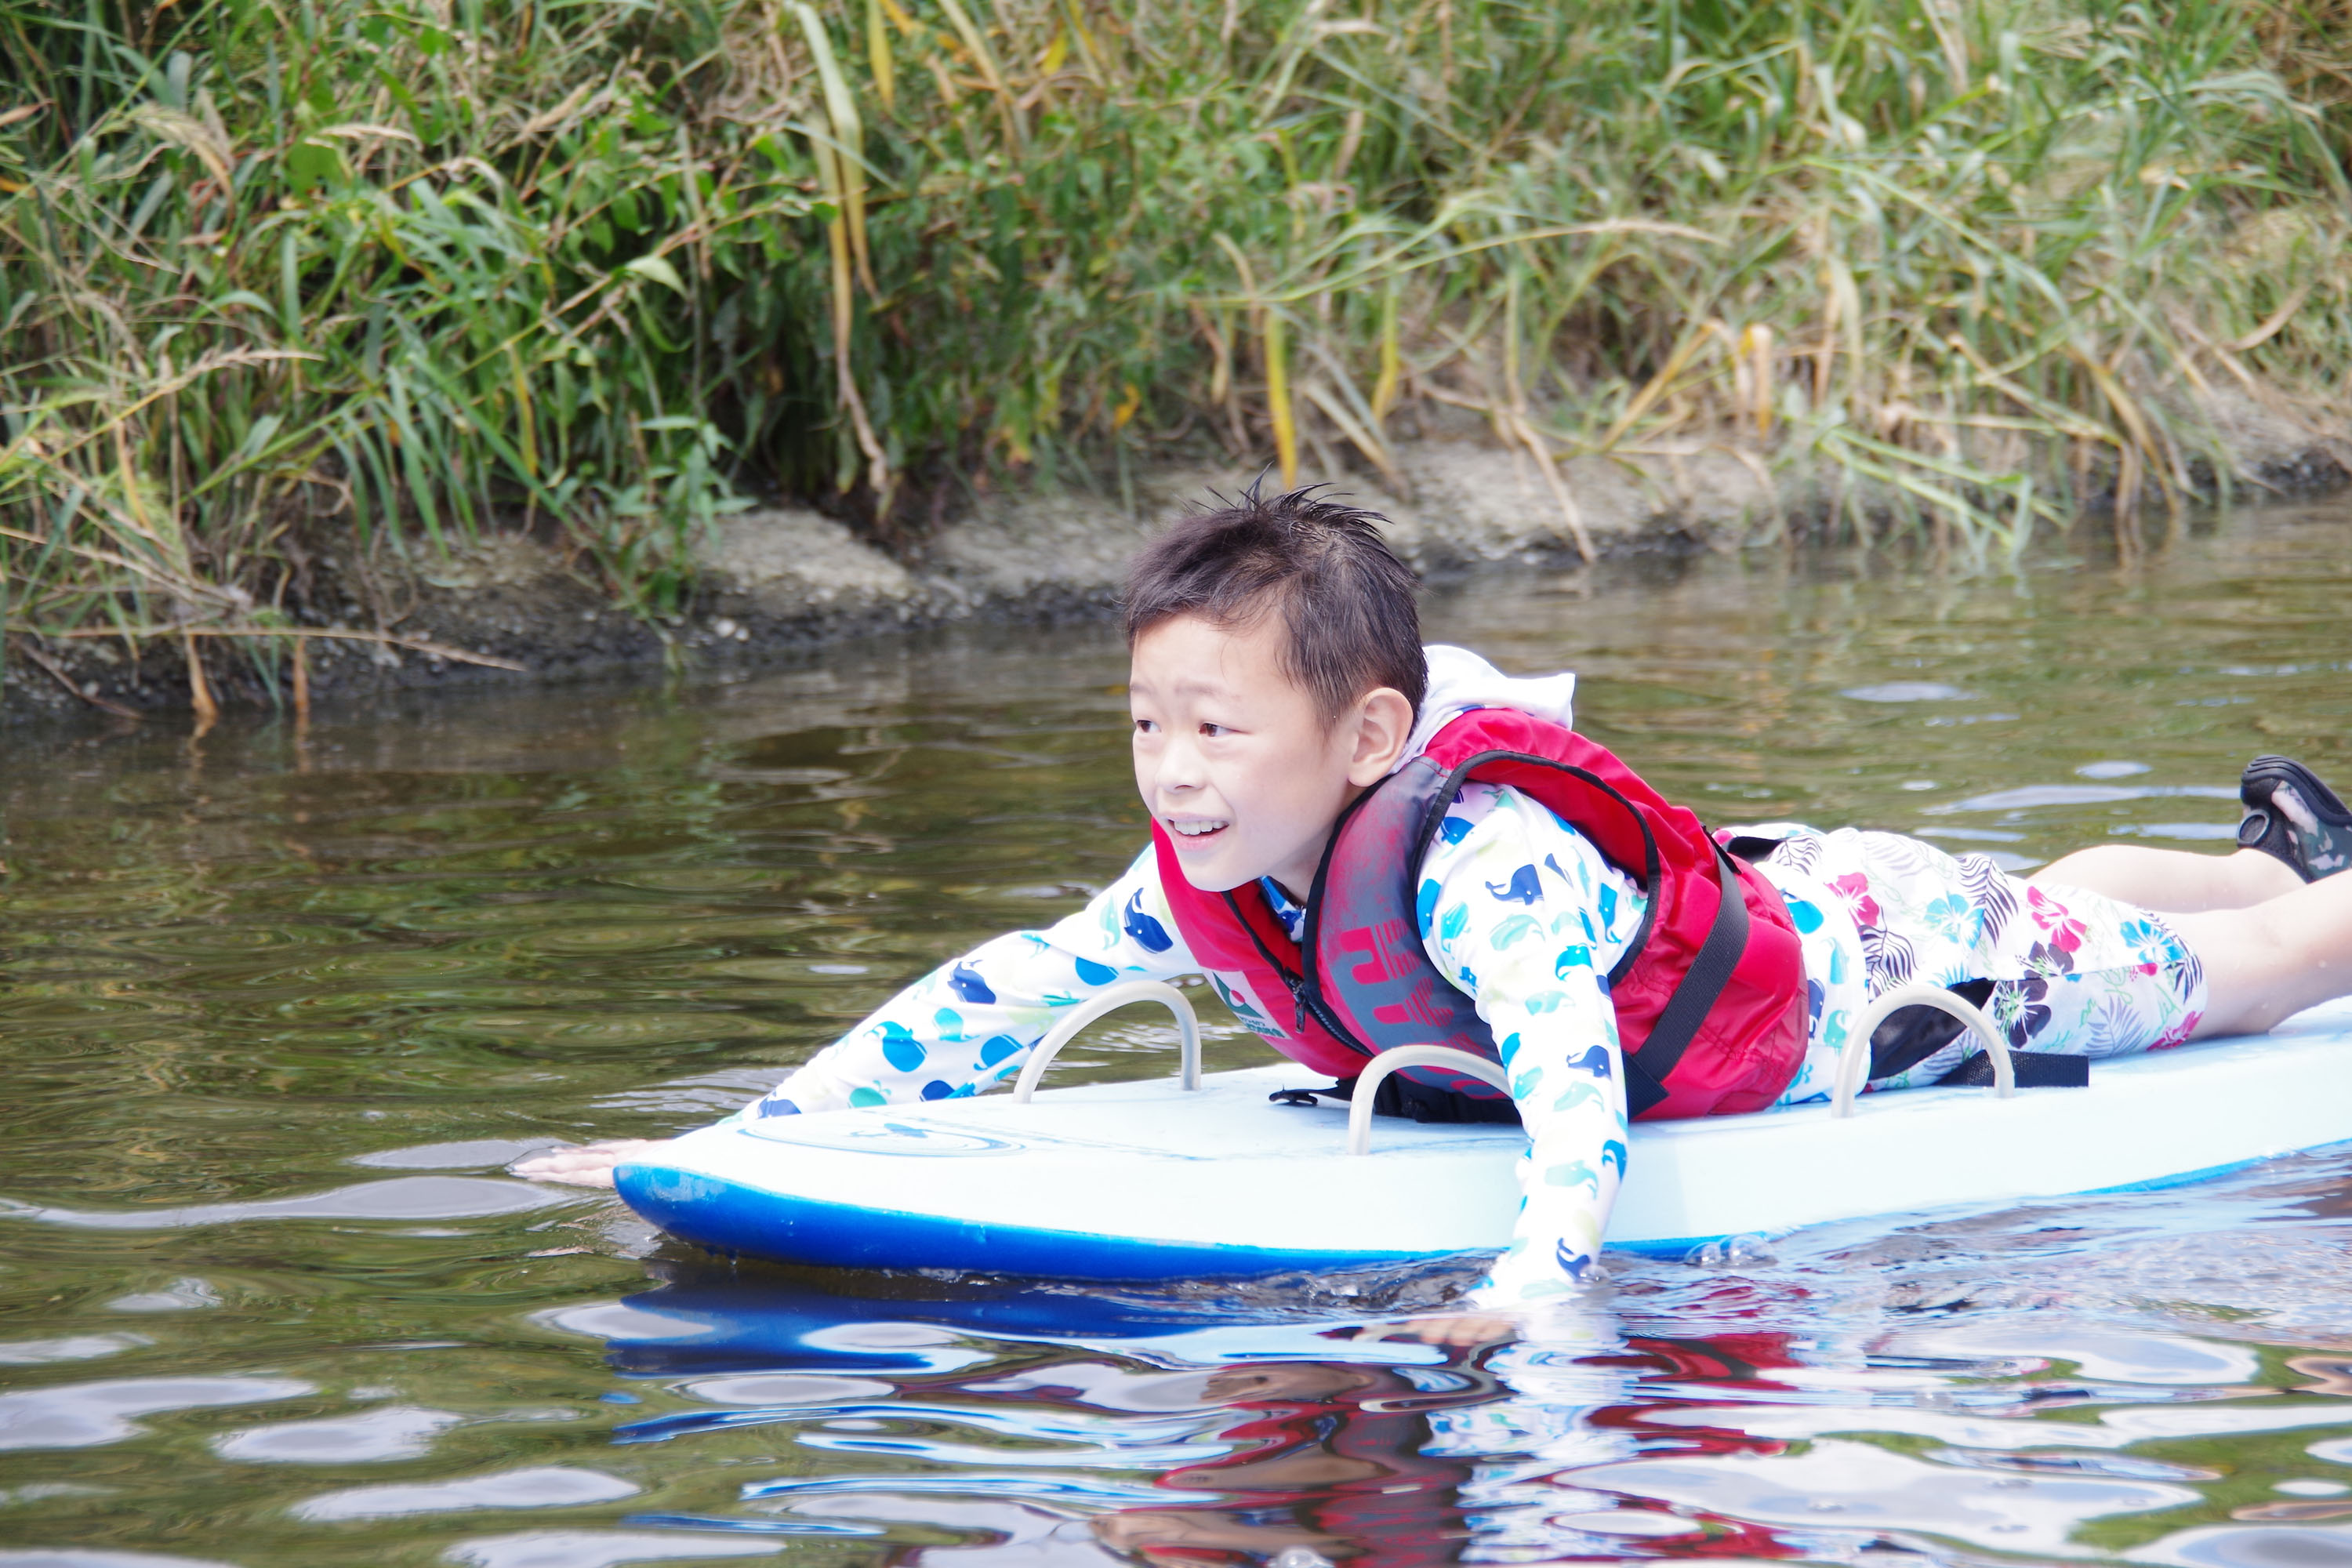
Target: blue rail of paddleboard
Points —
{"points": [[734, 1218]]}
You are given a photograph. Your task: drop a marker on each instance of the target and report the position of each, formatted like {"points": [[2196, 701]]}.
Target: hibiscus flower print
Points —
{"points": [[2017, 1006], [1853, 889], [2154, 946], [1955, 920], [2176, 1033], [2065, 931], [2047, 961]]}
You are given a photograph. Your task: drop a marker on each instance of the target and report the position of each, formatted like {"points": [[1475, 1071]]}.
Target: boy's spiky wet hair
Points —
{"points": [[1345, 601]]}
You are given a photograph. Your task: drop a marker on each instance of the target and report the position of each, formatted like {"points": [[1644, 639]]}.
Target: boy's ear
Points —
{"points": [[1383, 723]]}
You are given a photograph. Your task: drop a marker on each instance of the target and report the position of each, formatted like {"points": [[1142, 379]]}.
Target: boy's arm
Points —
{"points": [[972, 1020], [1517, 919], [960, 1028]]}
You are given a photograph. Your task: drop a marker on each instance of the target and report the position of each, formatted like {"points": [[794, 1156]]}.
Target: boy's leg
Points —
{"points": [[2268, 963], [2295, 830], [2176, 881]]}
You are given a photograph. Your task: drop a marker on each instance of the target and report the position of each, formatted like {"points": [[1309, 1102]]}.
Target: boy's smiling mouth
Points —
{"points": [[1196, 827]]}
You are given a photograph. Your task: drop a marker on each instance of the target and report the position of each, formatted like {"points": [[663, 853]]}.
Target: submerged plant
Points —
{"points": [[363, 275]]}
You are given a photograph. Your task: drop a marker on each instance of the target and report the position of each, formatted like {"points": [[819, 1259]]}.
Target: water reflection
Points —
{"points": [[82, 1415], [394, 1431], [545, 1487], [1252, 1438], [1235, 1433]]}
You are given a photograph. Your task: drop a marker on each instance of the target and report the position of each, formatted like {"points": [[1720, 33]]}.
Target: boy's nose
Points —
{"points": [[1179, 768]]}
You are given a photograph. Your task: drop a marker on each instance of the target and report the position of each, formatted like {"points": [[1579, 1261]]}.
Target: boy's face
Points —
{"points": [[1236, 763]]}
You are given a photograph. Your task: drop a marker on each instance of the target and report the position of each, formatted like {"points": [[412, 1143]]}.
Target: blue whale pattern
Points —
{"points": [[1522, 888], [899, 1047], [1149, 933]]}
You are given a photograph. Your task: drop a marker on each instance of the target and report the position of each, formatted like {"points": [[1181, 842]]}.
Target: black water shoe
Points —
{"points": [[2290, 815]]}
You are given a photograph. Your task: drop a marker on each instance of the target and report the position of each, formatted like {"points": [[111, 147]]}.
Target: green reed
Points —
{"points": [[282, 279]]}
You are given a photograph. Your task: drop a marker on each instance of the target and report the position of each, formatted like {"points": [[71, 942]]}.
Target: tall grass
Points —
{"points": [[279, 277]]}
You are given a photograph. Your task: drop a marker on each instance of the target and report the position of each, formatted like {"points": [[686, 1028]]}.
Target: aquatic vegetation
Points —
{"points": [[282, 285]]}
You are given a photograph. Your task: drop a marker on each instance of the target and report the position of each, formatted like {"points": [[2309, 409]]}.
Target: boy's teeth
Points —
{"points": [[1194, 829]]}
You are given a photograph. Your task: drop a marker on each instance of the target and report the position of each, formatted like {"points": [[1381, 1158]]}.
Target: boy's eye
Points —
{"points": [[1145, 727], [1213, 730]]}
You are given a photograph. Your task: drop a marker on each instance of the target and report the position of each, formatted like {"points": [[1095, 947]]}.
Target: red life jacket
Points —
{"points": [[1710, 994]]}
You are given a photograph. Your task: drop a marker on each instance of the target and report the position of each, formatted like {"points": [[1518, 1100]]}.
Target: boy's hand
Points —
{"points": [[1460, 1330], [582, 1164]]}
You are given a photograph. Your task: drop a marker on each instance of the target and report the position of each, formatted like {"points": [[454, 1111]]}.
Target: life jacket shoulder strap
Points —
{"points": [[1710, 970]]}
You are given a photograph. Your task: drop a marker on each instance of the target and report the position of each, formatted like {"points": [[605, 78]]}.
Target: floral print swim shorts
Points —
{"points": [[2073, 973]]}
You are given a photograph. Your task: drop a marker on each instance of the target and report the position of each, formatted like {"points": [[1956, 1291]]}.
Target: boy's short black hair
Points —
{"points": [[1346, 601]]}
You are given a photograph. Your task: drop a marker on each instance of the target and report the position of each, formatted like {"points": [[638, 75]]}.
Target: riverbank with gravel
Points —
{"points": [[774, 583]]}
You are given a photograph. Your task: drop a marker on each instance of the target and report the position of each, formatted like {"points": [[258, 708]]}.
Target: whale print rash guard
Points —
{"points": [[1527, 917]]}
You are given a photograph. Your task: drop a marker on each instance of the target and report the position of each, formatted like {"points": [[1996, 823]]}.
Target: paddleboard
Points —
{"points": [[1152, 1181]]}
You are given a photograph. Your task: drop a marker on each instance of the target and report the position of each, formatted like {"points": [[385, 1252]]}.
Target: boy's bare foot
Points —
{"points": [[582, 1164]]}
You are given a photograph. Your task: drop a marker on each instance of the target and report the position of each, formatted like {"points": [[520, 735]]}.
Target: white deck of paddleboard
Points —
{"points": [[1147, 1165]]}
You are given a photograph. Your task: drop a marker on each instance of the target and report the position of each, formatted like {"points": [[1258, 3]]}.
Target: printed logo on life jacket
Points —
{"points": [[1388, 952], [1250, 1016], [1418, 1009]]}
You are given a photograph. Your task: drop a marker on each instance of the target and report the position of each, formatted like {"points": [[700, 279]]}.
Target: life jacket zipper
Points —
{"points": [[1331, 1024], [1304, 1006]]}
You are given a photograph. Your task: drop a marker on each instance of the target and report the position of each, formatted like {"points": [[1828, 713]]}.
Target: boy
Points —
{"points": [[1365, 842]]}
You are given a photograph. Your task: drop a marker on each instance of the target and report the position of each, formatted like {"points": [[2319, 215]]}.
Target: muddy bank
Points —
{"points": [[772, 582]]}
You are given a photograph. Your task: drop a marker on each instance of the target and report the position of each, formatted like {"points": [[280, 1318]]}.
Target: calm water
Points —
{"points": [[276, 1011]]}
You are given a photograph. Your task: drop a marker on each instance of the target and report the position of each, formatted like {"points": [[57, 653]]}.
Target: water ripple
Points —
{"points": [[85, 1414], [389, 1432], [602, 1548], [545, 1486], [402, 1198]]}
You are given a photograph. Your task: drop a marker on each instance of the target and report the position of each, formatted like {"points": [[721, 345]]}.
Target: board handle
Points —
{"points": [[1854, 1060], [1125, 993], [1359, 1101]]}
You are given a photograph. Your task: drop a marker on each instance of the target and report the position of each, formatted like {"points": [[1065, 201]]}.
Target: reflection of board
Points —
{"points": [[721, 1319], [1144, 1181]]}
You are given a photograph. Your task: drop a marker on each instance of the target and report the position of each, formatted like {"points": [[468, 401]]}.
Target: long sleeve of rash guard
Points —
{"points": [[1521, 911], [972, 1020]]}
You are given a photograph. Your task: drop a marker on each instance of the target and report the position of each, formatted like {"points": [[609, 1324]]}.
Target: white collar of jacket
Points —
{"points": [[1459, 680]]}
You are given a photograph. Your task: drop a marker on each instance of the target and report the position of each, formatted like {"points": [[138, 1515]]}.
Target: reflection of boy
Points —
{"points": [[1551, 910], [1332, 1459]]}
